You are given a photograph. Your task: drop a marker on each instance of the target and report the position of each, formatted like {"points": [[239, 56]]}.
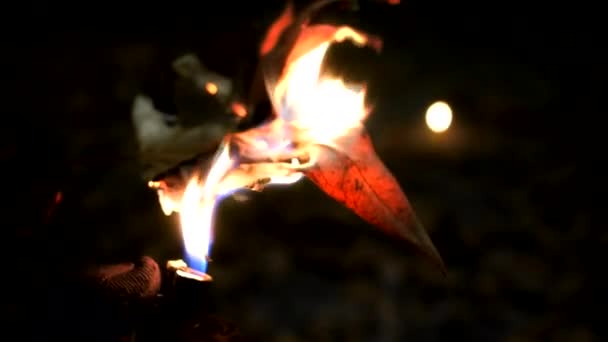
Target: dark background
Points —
{"points": [[509, 194]]}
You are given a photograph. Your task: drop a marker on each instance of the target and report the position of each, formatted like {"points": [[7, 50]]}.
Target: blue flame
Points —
{"points": [[196, 263]]}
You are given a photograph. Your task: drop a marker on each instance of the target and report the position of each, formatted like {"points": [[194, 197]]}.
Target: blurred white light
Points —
{"points": [[439, 117]]}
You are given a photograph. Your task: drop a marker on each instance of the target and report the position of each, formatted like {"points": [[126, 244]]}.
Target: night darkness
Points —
{"points": [[510, 194]]}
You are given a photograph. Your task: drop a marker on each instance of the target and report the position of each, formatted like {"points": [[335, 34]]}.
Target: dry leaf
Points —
{"points": [[353, 175]]}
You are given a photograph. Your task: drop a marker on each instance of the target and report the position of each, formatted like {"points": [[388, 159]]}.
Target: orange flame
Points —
{"points": [[275, 30]]}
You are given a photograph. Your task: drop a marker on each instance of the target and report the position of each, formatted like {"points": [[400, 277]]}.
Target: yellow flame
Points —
{"points": [[167, 203], [198, 204], [193, 216], [321, 107]]}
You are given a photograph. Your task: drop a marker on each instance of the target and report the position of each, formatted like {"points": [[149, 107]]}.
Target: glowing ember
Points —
{"points": [[238, 109], [211, 88]]}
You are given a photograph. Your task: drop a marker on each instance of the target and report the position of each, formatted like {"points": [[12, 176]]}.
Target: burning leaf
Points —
{"points": [[316, 131], [354, 176], [311, 37], [346, 166], [290, 38]]}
